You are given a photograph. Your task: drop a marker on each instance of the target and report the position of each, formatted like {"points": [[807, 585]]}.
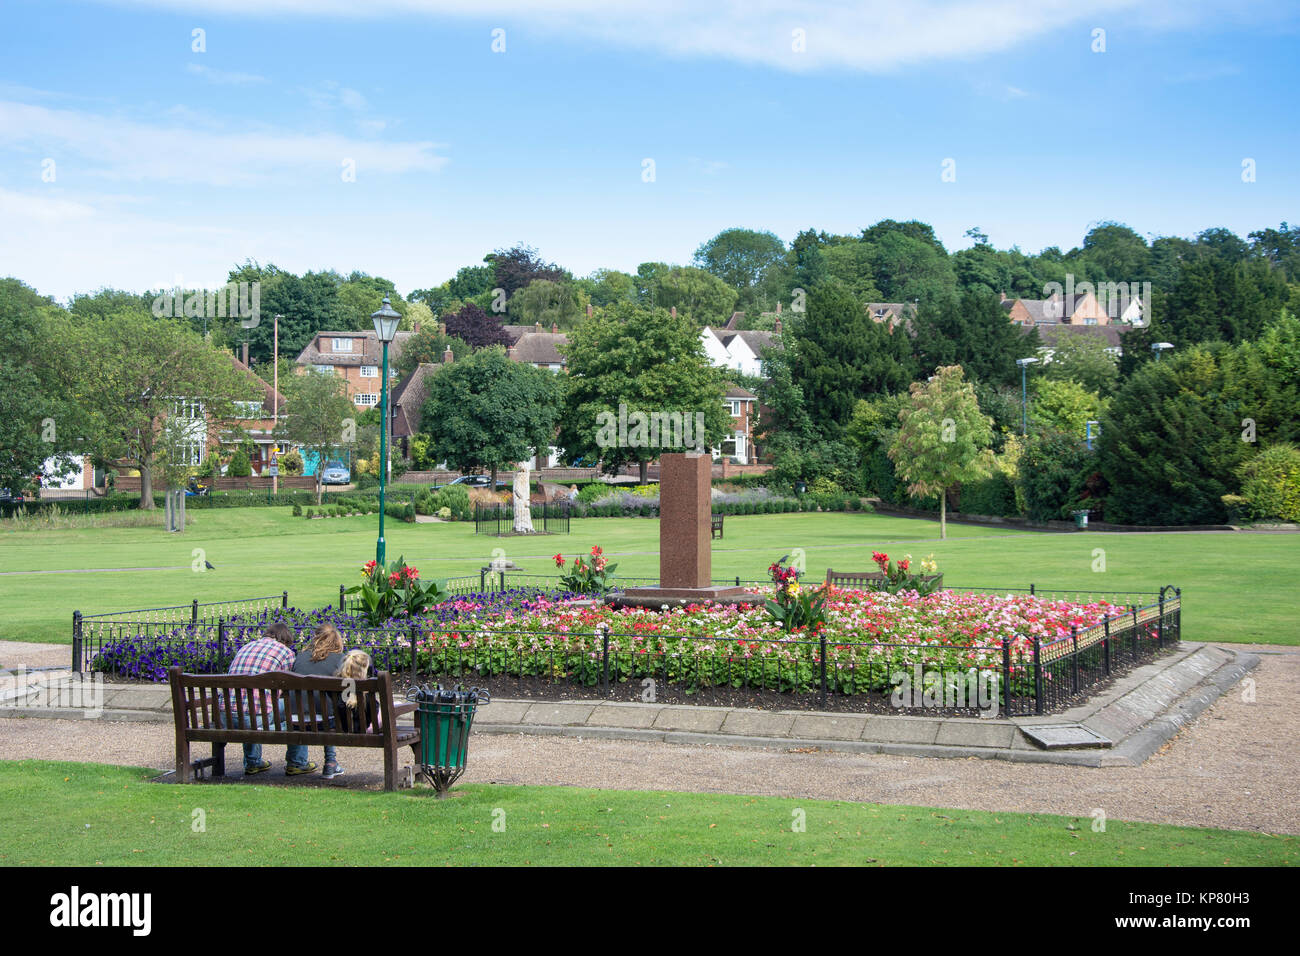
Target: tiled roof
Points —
{"points": [[1049, 333], [270, 398], [736, 392], [409, 397], [370, 352], [540, 348], [516, 332]]}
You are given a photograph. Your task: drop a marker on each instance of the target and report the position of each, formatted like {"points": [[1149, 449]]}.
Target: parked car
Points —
{"points": [[11, 498], [336, 473], [473, 481]]}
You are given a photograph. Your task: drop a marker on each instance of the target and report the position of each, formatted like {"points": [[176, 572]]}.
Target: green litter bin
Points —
{"points": [[444, 716], [1080, 519]]}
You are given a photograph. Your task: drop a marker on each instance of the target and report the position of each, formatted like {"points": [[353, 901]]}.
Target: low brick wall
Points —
{"points": [[129, 484]]}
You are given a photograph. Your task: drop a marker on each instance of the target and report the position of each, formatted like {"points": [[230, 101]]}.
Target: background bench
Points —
{"points": [[715, 526], [859, 579], [199, 699]]}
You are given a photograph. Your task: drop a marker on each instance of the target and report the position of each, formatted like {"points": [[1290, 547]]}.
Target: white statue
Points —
{"points": [[523, 513]]}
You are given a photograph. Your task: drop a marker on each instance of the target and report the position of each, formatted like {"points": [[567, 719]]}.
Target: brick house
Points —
{"points": [[1087, 310], [358, 358]]}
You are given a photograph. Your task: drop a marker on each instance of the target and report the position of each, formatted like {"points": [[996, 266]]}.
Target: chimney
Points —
{"points": [[778, 308], [1002, 297], [777, 322], [588, 310], [448, 357], [555, 328], [673, 310], [245, 353], [442, 328], [512, 353]]}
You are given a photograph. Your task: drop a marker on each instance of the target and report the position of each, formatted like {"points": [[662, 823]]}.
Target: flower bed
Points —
{"points": [[200, 649]]}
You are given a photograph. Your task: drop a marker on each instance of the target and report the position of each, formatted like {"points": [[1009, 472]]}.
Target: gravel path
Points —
{"points": [[1237, 766]]}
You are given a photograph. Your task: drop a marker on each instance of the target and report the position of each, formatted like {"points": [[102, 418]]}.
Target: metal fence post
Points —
{"points": [[604, 655], [194, 611], [1038, 676], [1160, 622], [1031, 590], [342, 596], [415, 669], [1135, 629], [76, 642], [1074, 657], [221, 637], [822, 636], [503, 581], [1006, 677], [1105, 648], [482, 580], [1178, 612]]}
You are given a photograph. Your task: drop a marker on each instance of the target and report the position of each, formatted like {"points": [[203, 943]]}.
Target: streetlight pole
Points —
{"points": [[275, 403], [1159, 347], [1024, 364], [385, 320]]}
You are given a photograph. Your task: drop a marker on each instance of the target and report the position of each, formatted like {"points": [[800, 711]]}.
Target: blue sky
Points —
{"points": [[127, 158]]}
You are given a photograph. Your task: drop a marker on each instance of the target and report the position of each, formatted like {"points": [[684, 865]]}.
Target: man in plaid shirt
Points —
{"points": [[273, 652]]}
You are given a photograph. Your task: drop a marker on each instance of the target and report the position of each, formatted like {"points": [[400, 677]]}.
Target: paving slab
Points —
{"points": [[757, 723], [502, 712], [706, 720], [976, 732], [846, 727], [902, 730], [623, 715], [565, 714]]}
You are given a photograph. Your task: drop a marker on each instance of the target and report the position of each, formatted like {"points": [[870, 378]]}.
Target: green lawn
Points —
{"points": [[70, 814], [1236, 587]]}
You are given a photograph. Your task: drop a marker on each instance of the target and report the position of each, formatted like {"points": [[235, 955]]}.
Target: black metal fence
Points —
{"points": [[1025, 676], [91, 631], [550, 517]]}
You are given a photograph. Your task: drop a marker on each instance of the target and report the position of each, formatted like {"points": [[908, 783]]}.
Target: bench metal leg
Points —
{"points": [[218, 759]]}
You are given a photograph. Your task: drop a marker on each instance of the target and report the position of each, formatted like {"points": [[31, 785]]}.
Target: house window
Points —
{"points": [[323, 369], [734, 407], [341, 345], [248, 410], [189, 454], [370, 371], [188, 408], [365, 399]]}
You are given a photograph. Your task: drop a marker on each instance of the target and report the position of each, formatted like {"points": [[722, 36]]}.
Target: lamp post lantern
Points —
{"points": [[386, 329], [1024, 363], [1159, 347]]}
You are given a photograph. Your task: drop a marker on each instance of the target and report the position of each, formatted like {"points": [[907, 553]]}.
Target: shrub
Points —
{"points": [[291, 463], [240, 466], [311, 513], [1270, 484], [297, 511], [589, 494]]}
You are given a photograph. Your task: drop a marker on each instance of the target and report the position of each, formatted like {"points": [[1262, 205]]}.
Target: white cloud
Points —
{"points": [[116, 148], [867, 35], [331, 95], [223, 77]]}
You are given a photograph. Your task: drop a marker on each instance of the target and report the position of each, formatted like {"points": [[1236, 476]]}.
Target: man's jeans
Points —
{"points": [[295, 755]]}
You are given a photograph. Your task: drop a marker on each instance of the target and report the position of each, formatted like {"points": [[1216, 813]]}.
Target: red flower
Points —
{"points": [[559, 560], [904, 564], [595, 550]]}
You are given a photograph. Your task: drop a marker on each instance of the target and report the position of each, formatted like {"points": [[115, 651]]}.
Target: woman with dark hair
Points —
{"points": [[322, 658]]}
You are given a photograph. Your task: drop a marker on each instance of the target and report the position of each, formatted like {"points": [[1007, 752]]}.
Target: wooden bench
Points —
{"points": [[715, 526], [859, 579], [200, 702]]}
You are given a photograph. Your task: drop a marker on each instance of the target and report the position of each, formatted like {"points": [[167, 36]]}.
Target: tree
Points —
{"points": [[740, 257], [631, 361], [1064, 406], [1083, 359], [547, 302], [943, 439], [37, 422], [474, 326], [696, 294], [972, 331], [607, 286], [513, 269], [426, 346], [316, 410], [840, 354], [135, 370], [488, 411]]}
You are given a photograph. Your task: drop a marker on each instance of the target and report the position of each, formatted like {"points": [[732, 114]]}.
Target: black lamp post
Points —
{"points": [[386, 329]]}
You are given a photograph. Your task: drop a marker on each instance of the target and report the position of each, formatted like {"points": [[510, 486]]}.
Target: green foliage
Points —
{"points": [[697, 295], [648, 361], [316, 407], [1270, 484], [1082, 359], [488, 412], [839, 354], [297, 511], [943, 438], [899, 576], [551, 303], [1064, 406], [590, 576], [240, 466], [395, 592], [1052, 460], [972, 331], [291, 463], [794, 607], [429, 345]]}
